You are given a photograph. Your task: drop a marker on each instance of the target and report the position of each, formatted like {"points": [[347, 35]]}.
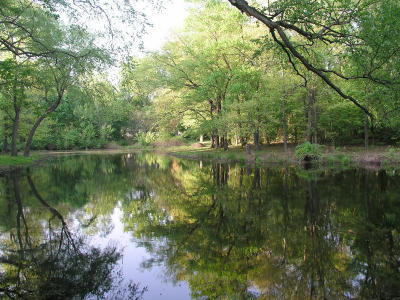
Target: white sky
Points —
{"points": [[163, 22], [172, 16]]}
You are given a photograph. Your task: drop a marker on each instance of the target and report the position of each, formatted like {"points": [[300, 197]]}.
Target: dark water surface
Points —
{"points": [[122, 226]]}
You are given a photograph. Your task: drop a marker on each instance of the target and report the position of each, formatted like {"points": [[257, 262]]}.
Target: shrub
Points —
{"points": [[241, 160], [390, 153], [330, 159], [169, 141], [145, 138], [308, 151], [69, 139], [344, 159], [88, 136], [122, 142], [231, 156]]}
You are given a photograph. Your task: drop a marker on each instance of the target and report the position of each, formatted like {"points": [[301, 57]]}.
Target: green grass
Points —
{"points": [[6, 160], [344, 156]]}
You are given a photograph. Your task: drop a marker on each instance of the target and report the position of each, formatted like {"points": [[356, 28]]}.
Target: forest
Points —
{"points": [[234, 74], [221, 165]]}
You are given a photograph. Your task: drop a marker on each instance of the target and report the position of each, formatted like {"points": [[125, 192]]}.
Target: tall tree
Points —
{"points": [[296, 26]]}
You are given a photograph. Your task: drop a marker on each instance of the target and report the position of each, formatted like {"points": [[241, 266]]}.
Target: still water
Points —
{"points": [[142, 226]]}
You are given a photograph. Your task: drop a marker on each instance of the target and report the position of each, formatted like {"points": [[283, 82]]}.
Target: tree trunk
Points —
{"points": [[284, 124], [17, 111], [284, 121], [315, 117], [38, 121], [212, 117], [220, 141], [226, 143], [309, 123], [4, 148], [265, 121], [257, 131], [240, 126], [366, 130], [5, 144], [201, 138], [31, 134], [257, 139], [14, 137], [215, 143], [306, 103], [243, 141], [310, 114]]}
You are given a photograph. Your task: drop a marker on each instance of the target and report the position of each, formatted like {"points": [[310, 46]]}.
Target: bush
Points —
{"points": [[168, 141], [241, 160], [344, 159], [390, 153], [122, 142], [69, 139], [145, 138], [231, 156], [88, 137], [308, 151]]}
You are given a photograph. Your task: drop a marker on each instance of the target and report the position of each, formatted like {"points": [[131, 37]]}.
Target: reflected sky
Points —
{"points": [[159, 284], [107, 226]]}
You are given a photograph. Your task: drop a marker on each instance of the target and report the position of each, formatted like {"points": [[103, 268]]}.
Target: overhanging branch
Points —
{"points": [[289, 48]]}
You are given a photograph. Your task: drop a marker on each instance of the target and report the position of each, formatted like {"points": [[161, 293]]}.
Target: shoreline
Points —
{"points": [[377, 157]]}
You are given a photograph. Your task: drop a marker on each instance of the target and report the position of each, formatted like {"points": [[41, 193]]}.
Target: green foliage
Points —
{"points": [[391, 153], [6, 160], [231, 156], [53, 61], [221, 76], [168, 141], [344, 159], [241, 160], [146, 138], [230, 218], [308, 151]]}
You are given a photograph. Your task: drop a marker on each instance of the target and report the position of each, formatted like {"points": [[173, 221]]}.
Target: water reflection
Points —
{"points": [[230, 232], [42, 259]]}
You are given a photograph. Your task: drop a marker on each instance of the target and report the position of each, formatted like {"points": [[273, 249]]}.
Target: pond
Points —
{"points": [[143, 226]]}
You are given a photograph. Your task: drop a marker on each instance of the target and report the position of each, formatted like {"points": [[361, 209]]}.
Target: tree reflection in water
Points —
{"points": [[42, 259], [244, 233], [231, 232]]}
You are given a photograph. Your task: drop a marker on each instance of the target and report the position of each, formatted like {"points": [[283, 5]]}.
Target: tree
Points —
{"points": [[339, 24], [64, 71], [33, 32]]}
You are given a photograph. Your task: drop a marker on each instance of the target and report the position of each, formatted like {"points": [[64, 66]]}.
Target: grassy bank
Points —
{"points": [[16, 161], [376, 156], [274, 154]]}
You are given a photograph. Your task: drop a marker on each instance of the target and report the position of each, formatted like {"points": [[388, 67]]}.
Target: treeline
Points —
{"points": [[52, 93], [224, 78], [331, 76]]}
